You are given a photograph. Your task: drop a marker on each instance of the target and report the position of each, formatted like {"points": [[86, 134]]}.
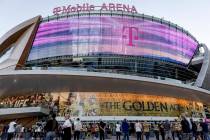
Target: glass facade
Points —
{"points": [[112, 35]]}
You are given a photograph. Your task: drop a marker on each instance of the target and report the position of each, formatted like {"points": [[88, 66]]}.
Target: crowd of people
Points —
{"points": [[182, 129]]}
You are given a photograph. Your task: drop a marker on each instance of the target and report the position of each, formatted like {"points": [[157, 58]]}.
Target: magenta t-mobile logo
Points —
{"points": [[132, 34]]}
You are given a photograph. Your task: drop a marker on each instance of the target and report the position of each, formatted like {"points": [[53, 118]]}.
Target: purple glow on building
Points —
{"points": [[112, 35]]}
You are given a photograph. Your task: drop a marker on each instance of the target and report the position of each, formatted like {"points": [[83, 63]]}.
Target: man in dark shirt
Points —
{"points": [[51, 128], [194, 128], [205, 130], [102, 129], [185, 125], [167, 129], [4, 132], [185, 128], [125, 129], [162, 131]]}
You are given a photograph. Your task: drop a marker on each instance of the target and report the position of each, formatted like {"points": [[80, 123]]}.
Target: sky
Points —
{"points": [[192, 15]]}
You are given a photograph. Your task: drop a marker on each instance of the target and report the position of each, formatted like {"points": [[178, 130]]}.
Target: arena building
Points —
{"points": [[102, 65]]}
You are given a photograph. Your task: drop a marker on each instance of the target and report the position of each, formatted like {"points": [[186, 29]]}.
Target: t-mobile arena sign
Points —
{"points": [[89, 7]]}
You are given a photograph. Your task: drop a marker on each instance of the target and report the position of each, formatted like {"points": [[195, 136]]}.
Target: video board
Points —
{"points": [[112, 35]]}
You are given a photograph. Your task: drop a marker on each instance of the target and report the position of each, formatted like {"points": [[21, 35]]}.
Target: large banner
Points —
{"points": [[126, 104], [108, 104]]}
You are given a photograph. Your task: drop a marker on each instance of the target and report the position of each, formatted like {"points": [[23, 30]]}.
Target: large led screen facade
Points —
{"points": [[112, 35], [85, 104]]}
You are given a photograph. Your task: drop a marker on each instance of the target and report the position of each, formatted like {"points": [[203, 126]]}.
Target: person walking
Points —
{"points": [[162, 131], [199, 130], [96, 131], [84, 132], [167, 129], [18, 132], [125, 129], [156, 130], [118, 131], [4, 132], [205, 130], [11, 130], [146, 129], [138, 128], [93, 131], [67, 128], [51, 128], [27, 134], [185, 128], [101, 129], [176, 129], [194, 128], [77, 129]]}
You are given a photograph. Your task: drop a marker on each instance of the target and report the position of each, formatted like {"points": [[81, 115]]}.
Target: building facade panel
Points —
{"points": [[112, 35], [103, 64]]}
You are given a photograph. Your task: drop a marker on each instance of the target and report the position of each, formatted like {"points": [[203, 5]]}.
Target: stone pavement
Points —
{"points": [[121, 138], [110, 138]]}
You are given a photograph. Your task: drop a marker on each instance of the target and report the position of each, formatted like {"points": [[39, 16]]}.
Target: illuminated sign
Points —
{"points": [[130, 34], [89, 7], [112, 35], [108, 104]]}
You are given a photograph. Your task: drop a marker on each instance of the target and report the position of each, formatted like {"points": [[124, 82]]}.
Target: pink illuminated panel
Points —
{"points": [[112, 35]]}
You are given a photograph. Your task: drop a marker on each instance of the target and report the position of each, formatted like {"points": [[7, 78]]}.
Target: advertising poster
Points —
{"points": [[120, 104]]}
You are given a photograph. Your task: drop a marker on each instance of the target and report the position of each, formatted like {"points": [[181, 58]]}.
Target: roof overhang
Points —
{"points": [[14, 113], [22, 82]]}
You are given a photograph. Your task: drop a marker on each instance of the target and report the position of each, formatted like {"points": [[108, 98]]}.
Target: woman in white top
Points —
{"points": [[118, 132], [138, 128]]}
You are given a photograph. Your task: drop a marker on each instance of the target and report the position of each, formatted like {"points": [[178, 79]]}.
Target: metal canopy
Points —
{"points": [[24, 82]]}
